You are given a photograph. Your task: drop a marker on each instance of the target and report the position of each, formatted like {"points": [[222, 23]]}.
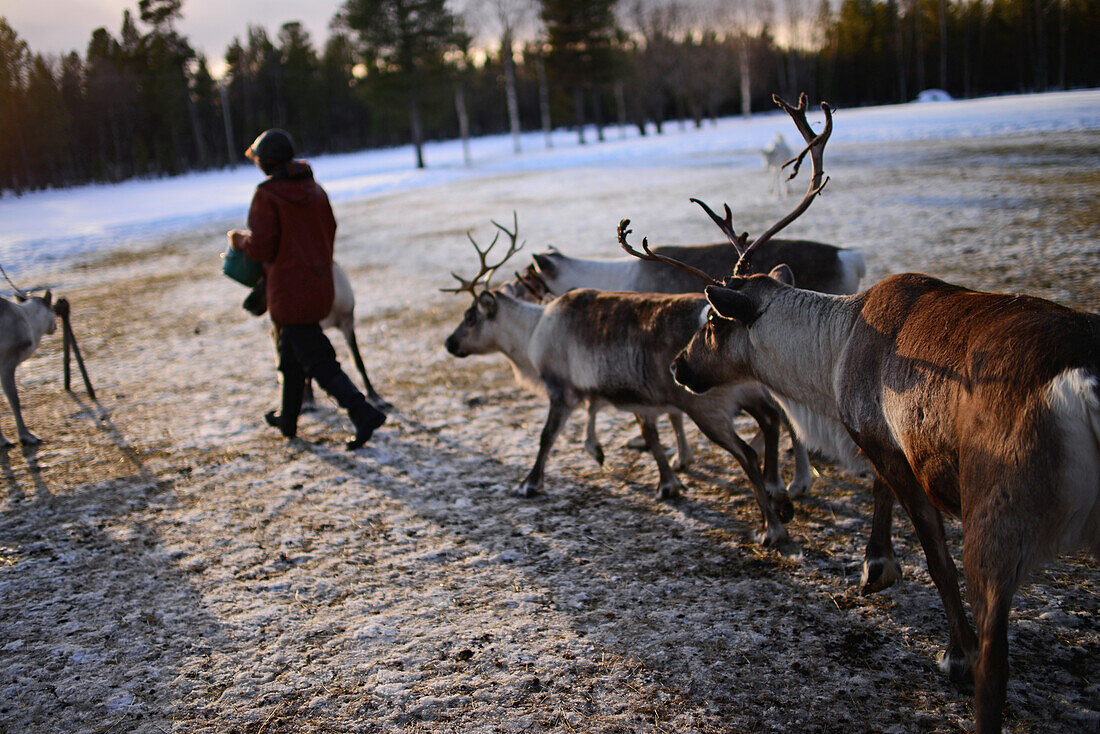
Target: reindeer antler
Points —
{"points": [[532, 280], [18, 291], [815, 148], [648, 254], [470, 286], [726, 225]]}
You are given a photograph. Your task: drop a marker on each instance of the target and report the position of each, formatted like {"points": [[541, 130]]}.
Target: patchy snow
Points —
{"points": [[168, 563]]}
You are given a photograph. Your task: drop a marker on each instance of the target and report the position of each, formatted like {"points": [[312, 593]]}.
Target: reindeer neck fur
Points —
{"points": [[39, 318], [798, 344], [798, 341], [516, 321]]}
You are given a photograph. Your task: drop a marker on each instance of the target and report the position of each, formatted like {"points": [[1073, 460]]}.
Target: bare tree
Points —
{"points": [[745, 19], [509, 21]]}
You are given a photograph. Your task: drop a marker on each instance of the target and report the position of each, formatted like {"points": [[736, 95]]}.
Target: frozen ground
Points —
{"points": [[167, 564]]}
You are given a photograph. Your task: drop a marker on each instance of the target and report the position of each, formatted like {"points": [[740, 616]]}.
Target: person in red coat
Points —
{"points": [[291, 232]]}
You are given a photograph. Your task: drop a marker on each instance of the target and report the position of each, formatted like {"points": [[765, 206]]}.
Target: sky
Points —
{"points": [[60, 26]]}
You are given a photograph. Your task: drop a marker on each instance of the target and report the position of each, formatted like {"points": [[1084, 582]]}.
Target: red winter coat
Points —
{"points": [[293, 231]]}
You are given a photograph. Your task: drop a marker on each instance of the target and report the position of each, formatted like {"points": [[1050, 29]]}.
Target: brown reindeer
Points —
{"points": [[982, 405]]}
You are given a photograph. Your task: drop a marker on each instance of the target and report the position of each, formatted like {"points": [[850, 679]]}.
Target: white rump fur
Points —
{"points": [[855, 268], [1074, 396]]}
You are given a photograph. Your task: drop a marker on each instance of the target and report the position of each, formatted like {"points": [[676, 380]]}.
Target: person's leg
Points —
{"points": [[294, 380], [315, 353]]}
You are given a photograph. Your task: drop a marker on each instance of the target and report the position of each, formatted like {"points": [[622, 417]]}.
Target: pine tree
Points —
{"points": [[405, 41]]}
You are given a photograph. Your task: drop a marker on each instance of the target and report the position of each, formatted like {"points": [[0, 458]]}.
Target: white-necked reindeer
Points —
{"points": [[982, 405], [615, 348], [816, 266], [342, 316], [22, 326]]}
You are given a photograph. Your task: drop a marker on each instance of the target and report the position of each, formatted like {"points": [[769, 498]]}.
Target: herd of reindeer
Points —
{"points": [[985, 406]]}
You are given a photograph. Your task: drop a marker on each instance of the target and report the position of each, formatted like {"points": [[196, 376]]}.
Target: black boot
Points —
{"points": [[366, 419], [365, 416], [287, 420]]}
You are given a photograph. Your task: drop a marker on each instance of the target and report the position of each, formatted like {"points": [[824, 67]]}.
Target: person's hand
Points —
{"points": [[236, 238]]}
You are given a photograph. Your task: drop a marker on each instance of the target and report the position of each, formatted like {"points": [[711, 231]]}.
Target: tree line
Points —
{"points": [[391, 72]]}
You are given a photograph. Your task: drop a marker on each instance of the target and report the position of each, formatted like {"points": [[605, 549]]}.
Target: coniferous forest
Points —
{"points": [[140, 101]]}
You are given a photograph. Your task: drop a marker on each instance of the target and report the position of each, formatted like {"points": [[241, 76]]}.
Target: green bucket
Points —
{"points": [[241, 268]]}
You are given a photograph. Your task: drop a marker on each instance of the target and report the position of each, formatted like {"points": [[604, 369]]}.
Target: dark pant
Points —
{"points": [[305, 351]]}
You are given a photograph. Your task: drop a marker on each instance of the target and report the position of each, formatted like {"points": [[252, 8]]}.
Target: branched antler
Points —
{"points": [[648, 254], [487, 270], [815, 148], [739, 241], [532, 280], [16, 289]]}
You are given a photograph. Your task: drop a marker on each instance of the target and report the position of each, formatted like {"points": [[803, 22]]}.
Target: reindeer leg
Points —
{"points": [[880, 569], [957, 660], [309, 402], [7, 379], [721, 431], [348, 329], [591, 441], [668, 486], [993, 572], [560, 409], [803, 471], [768, 416], [685, 456]]}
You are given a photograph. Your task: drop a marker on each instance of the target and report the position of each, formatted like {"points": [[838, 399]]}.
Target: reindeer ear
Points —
{"points": [[731, 304], [782, 273], [488, 303], [48, 298], [545, 264]]}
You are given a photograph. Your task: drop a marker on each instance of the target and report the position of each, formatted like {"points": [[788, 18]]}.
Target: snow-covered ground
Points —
{"points": [[169, 564], [54, 225]]}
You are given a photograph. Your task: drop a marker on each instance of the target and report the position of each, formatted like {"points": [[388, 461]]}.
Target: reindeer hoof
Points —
{"points": [[596, 452], [770, 537], [797, 488], [5, 443], [29, 439], [957, 666], [878, 574], [669, 491], [526, 490], [380, 402]]}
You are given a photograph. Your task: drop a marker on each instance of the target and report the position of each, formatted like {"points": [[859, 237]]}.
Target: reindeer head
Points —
{"points": [[475, 335], [39, 310], [720, 353]]}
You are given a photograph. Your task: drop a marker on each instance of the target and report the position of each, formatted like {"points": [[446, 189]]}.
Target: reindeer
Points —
{"points": [[614, 348], [342, 316], [776, 155], [817, 266], [985, 406], [529, 286], [22, 326]]}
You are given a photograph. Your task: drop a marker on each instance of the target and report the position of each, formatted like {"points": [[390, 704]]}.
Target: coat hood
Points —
{"points": [[293, 184]]}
